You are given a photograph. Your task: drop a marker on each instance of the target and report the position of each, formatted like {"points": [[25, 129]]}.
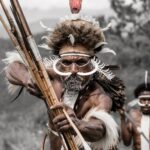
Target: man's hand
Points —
{"points": [[122, 113], [92, 130], [60, 122]]}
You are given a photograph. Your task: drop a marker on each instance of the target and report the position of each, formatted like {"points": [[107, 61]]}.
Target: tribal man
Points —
{"points": [[85, 86], [139, 130]]}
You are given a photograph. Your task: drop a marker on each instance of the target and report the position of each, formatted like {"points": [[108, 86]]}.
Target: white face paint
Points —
{"points": [[74, 69], [144, 100], [143, 105], [59, 72], [80, 73]]}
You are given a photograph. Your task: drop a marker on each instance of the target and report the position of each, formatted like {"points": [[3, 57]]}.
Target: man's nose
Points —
{"points": [[74, 68], [147, 102]]}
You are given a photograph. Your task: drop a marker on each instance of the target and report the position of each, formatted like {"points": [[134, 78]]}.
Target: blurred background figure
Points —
{"points": [[137, 128]]}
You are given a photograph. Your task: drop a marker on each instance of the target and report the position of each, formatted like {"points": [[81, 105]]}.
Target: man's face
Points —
{"points": [[75, 64], [145, 101]]}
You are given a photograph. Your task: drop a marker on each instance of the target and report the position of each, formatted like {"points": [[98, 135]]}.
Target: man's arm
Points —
{"points": [[97, 126], [94, 127], [17, 73], [126, 129]]}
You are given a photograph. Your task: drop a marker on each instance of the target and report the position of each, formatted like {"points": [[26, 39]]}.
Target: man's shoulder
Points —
{"points": [[135, 112], [114, 88], [52, 74], [98, 91], [102, 101], [98, 97]]}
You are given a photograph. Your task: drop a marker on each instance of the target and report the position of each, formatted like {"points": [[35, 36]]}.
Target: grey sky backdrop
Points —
{"points": [[50, 11], [37, 9], [47, 4]]}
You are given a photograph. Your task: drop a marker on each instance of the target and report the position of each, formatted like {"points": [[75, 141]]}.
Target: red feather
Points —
{"points": [[75, 6]]}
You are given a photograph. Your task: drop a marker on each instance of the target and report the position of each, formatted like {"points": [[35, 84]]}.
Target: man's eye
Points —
{"points": [[81, 62], [142, 100], [66, 62]]}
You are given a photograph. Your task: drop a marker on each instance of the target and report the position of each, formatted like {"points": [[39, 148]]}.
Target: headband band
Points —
{"points": [[144, 96], [75, 54], [143, 105]]}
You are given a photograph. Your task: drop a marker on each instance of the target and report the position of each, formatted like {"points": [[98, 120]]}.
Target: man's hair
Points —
{"points": [[85, 33], [141, 88]]}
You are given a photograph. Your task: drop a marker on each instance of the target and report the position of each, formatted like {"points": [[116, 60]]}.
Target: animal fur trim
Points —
{"points": [[11, 87], [111, 138], [11, 57], [83, 33]]}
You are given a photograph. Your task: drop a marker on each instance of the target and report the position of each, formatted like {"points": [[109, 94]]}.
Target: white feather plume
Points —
{"points": [[106, 72], [71, 38], [82, 17], [107, 27], [48, 62], [108, 50], [10, 58], [146, 78], [100, 44], [45, 27], [45, 38], [44, 46]]}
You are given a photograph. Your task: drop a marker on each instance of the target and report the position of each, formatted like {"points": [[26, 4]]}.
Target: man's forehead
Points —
{"points": [[74, 57], [77, 49], [144, 95]]}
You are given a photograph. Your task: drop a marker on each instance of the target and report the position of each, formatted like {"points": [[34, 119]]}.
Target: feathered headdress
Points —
{"points": [[77, 29]]}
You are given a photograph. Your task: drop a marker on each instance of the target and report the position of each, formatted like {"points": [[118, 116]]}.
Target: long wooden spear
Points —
{"points": [[27, 47]]}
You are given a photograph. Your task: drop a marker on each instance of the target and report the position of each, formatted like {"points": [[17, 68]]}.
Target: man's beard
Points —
{"points": [[145, 110], [74, 83]]}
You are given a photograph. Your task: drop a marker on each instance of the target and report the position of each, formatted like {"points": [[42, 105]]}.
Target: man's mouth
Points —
{"points": [[146, 107], [73, 82]]}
